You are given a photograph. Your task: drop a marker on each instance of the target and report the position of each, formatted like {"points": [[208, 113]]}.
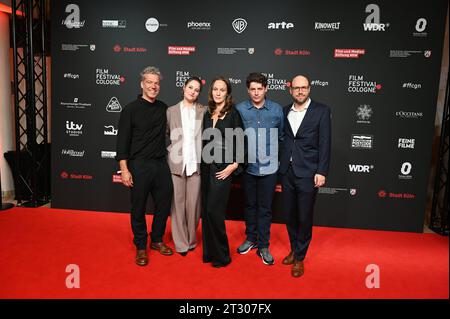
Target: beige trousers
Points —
{"points": [[185, 213]]}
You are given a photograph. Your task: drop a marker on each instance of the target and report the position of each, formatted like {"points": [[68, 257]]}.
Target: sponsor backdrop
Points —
{"points": [[376, 64]]}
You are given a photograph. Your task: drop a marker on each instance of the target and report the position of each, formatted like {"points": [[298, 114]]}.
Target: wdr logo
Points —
{"points": [[373, 19]]}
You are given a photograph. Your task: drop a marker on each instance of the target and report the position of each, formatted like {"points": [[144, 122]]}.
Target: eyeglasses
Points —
{"points": [[300, 88]]}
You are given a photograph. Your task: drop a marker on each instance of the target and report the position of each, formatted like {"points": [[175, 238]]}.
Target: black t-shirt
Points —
{"points": [[142, 130]]}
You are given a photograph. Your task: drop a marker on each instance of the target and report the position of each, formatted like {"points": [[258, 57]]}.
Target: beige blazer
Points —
{"points": [[175, 134]]}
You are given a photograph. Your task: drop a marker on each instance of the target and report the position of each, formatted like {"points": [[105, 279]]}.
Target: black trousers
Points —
{"points": [[215, 195], [299, 196], [150, 176]]}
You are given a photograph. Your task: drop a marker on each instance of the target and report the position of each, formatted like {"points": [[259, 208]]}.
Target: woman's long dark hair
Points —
{"points": [[228, 100]]}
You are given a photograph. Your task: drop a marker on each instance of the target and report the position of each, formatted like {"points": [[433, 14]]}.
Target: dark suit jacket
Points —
{"points": [[310, 147]]}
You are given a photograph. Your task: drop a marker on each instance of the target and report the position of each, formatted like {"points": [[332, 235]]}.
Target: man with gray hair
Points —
{"points": [[141, 152]]}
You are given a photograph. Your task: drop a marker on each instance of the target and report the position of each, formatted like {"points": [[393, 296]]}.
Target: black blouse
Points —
{"points": [[230, 143]]}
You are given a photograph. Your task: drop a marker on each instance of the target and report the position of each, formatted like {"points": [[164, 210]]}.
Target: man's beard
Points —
{"points": [[301, 100]]}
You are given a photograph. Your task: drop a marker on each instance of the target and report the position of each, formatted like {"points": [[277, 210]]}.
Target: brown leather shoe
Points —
{"points": [[297, 269], [141, 257], [289, 259], [162, 248]]}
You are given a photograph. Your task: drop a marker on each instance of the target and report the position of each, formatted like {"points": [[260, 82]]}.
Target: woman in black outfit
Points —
{"points": [[221, 158]]}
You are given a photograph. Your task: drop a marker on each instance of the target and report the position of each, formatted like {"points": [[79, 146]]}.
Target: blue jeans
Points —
{"points": [[259, 191]]}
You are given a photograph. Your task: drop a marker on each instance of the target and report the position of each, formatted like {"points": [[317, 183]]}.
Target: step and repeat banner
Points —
{"points": [[376, 64]]}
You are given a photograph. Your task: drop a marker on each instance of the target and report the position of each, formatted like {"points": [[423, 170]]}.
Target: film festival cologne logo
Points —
{"points": [[181, 76], [359, 84], [106, 78], [274, 83]]}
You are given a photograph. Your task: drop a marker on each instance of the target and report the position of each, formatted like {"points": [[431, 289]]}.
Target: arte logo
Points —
{"points": [[405, 171], [152, 25], [114, 24], [110, 130], [104, 77], [114, 105], [420, 27], [362, 141], [71, 76], [275, 84], [180, 50], [357, 84], [349, 53], [357, 168], [204, 26], [327, 26], [319, 83], [76, 104], [108, 154], [373, 19], [117, 48], [406, 143], [364, 113], [74, 129], [414, 86], [384, 194], [239, 25], [72, 153], [279, 52], [280, 25], [73, 21], [66, 175], [408, 114]]}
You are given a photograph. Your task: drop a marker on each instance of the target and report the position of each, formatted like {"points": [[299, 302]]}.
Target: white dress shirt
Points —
{"points": [[296, 117], [189, 153]]}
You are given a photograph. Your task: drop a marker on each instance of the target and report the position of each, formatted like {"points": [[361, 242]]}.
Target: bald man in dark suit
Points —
{"points": [[304, 164]]}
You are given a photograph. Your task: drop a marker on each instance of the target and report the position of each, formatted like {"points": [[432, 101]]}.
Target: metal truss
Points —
{"points": [[32, 161]]}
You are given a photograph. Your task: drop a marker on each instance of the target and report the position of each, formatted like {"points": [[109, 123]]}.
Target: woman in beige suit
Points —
{"points": [[184, 124]]}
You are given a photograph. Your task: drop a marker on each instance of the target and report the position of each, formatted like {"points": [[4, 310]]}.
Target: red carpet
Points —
{"points": [[36, 245]]}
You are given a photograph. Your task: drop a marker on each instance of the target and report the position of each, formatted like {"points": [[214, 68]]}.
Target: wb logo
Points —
{"points": [[73, 19], [239, 25]]}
